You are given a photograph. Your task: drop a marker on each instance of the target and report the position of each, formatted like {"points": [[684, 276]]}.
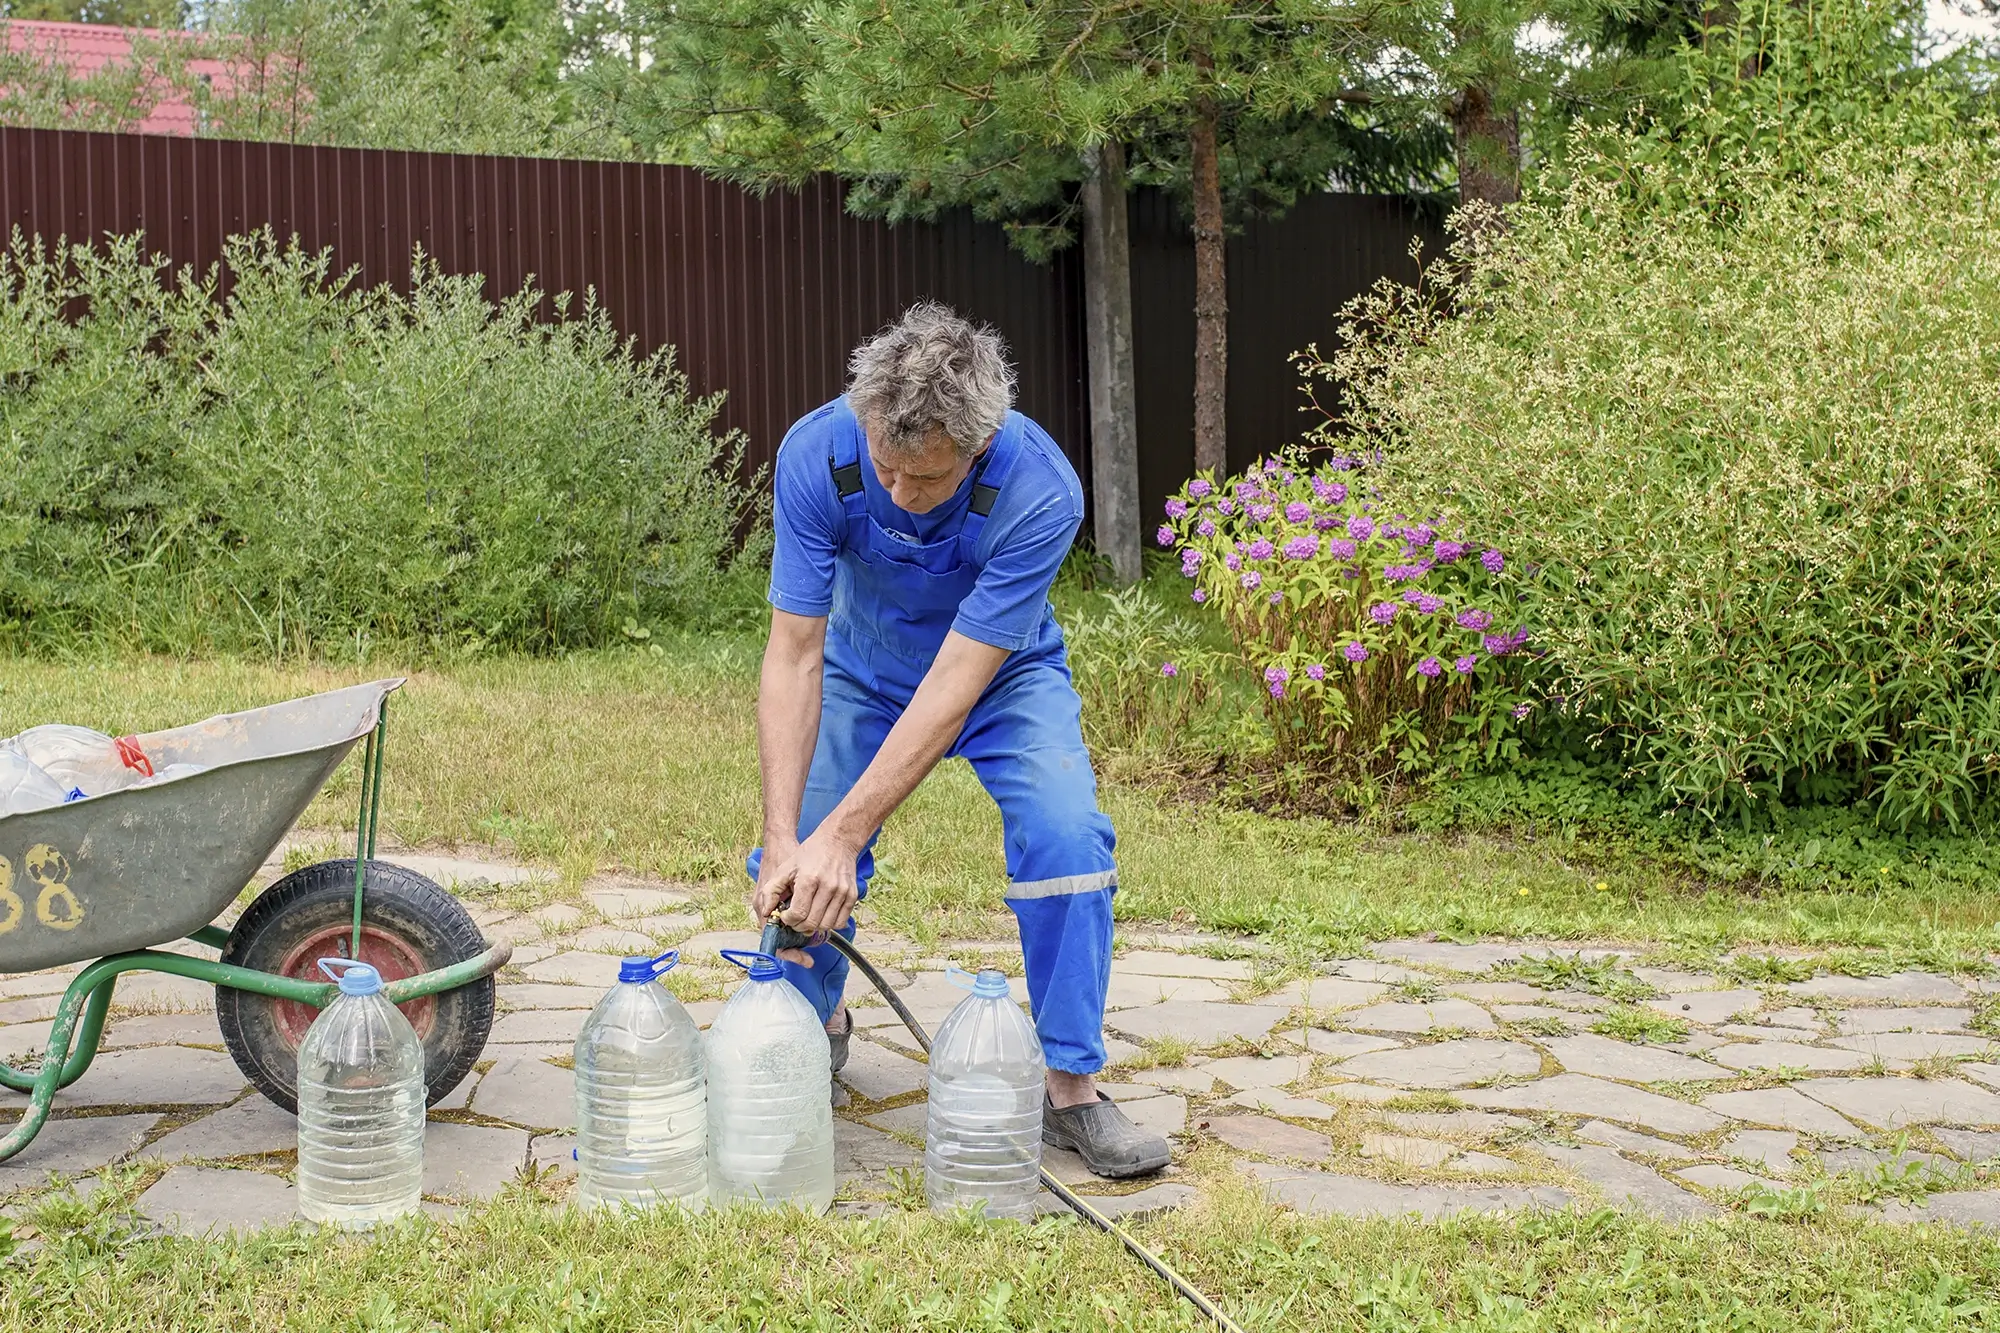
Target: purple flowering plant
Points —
{"points": [[1366, 643]]}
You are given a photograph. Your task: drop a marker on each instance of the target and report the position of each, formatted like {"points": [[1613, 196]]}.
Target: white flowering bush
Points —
{"points": [[1745, 431], [1380, 640]]}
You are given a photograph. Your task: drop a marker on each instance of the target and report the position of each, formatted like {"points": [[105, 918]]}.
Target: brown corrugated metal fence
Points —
{"points": [[761, 296]]}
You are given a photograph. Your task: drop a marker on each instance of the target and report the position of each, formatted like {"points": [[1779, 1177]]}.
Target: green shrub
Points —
{"points": [[306, 466], [1145, 675], [1742, 433]]}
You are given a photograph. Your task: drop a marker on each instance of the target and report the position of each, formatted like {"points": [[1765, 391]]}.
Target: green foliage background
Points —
{"points": [[1729, 387], [308, 467]]}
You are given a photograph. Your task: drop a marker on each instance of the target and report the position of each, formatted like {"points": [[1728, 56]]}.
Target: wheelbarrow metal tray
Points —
{"points": [[147, 865]]}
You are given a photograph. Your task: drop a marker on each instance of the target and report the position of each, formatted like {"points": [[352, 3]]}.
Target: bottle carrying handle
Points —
{"points": [[335, 968], [749, 959], [959, 977], [664, 964]]}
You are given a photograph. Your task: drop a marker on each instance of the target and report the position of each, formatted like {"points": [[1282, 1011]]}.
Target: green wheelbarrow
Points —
{"points": [[111, 876]]}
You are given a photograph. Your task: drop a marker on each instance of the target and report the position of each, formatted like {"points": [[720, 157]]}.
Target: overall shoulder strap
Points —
{"points": [[994, 467], [844, 462]]}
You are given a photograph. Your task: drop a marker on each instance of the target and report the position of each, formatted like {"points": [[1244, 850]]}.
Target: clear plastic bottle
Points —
{"points": [[81, 759], [24, 786], [641, 1096], [983, 1138], [361, 1106], [770, 1098]]}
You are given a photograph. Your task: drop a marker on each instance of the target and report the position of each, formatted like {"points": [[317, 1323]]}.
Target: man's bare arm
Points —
{"points": [[788, 699], [823, 879]]}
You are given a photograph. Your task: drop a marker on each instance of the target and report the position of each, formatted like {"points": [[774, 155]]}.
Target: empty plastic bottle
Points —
{"points": [[641, 1096], [983, 1138], [770, 1096], [24, 786], [81, 759], [361, 1106]]}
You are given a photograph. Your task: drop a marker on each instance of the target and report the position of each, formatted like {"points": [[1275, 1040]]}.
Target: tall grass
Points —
{"points": [[306, 467]]}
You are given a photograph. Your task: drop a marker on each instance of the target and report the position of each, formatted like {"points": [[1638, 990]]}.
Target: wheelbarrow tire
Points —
{"points": [[405, 913]]}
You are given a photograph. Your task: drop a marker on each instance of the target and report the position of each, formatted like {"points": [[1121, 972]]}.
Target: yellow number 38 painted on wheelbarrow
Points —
{"points": [[56, 904]]}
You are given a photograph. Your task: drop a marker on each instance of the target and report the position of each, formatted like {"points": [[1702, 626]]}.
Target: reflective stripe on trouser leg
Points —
{"points": [[1025, 741], [853, 720]]}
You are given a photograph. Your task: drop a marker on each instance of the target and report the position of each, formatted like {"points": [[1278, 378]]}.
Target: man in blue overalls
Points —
{"points": [[920, 522]]}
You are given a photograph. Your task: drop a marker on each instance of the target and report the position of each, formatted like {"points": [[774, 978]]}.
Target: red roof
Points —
{"points": [[88, 47]]}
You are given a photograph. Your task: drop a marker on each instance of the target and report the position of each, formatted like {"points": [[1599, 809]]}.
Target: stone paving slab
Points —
{"points": [[634, 902], [1902, 1019], [1892, 1103], [134, 1030], [1988, 1074], [1787, 1055], [1915, 1045], [1326, 993], [1414, 1017], [72, 1147], [1793, 1016], [1344, 1045], [1709, 1008], [1627, 1184], [1577, 1094], [471, 1161], [578, 967], [878, 1073], [1970, 1208], [1282, 1104], [862, 1153], [539, 1025], [1326, 1194], [201, 1200], [1769, 1148], [1154, 963], [1724, 1179], [1479, 1125], [1970, 1145], [1271, 1138], [524, 1091], [1467, 958], [1251, 1071], [622, 940], [546, 995], [1447, 1064], [1631, 1141], [250, 1128], [156, 1076], [1202, 1024], [1897, 988], [1198, 1081], [1865, 1160], [1784, 1108], [1131, 991], [1603, 1057]]}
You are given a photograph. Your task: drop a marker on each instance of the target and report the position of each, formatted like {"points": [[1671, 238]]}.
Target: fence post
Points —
{"points": [[1114, 431]]}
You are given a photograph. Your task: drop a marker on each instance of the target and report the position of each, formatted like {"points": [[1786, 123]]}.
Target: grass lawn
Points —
{"points": [[521, 1265], [648, 762]]}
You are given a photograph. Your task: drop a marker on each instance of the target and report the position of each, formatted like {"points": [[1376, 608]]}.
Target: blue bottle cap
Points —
{"points": [[354, 978], [643, 970], [760, 966], [990, 984]]}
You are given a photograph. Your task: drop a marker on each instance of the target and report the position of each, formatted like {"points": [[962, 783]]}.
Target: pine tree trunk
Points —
{"points": [[1107, 302], [1211, 296], [1489, 149]]}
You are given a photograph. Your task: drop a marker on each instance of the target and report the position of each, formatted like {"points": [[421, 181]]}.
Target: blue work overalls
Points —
{"points": [[894, 601]]}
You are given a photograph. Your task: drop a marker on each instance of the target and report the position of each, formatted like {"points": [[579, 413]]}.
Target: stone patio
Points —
{"points": [[1418, 1081]]}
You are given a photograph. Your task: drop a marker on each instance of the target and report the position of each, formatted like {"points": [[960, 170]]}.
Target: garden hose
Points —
{"points": [[778, 936]]}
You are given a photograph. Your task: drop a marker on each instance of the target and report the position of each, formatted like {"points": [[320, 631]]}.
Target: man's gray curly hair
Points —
{"points": [[932, 369]]}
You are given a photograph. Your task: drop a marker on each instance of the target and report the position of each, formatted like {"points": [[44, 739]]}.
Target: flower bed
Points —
{"points": [[1382, 642]]}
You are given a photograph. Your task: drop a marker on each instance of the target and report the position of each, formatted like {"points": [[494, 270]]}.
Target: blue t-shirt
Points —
{"points": [[1034, 519]]}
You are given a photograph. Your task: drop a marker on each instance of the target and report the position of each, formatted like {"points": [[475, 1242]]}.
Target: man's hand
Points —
{"points": [[824, 888], [774, 877]]}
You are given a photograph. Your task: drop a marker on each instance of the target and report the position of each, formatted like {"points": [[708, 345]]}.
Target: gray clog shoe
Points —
{"points": [[1109, 1143]]}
